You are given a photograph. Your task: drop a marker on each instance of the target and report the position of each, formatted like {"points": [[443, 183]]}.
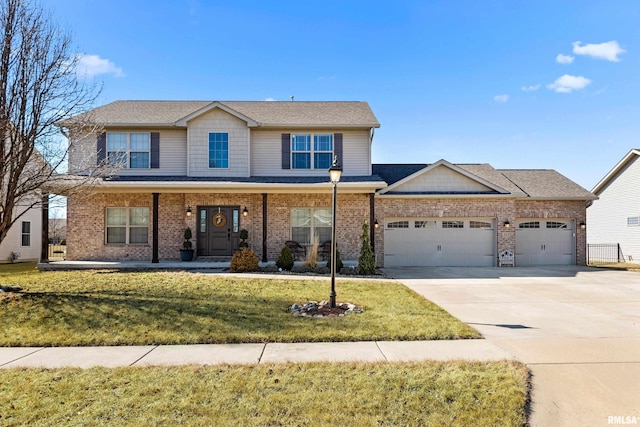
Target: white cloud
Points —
{"points": [[501, 99], [609, 50], [564, 59], [568, 83], [93, 65], [531, 88]]}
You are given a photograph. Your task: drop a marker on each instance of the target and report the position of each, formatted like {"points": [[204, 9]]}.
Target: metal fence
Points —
{"points": [[604, 253], [57, 252]]}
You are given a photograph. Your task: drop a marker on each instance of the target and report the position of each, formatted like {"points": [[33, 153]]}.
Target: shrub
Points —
{"points": [[187, 239], [339, 263], [367, 260], [244, 260], [244, 235], [285, 260]]}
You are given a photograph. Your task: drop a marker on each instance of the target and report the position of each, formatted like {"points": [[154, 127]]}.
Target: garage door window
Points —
{"points": [[425, 224], [398, 224], [554, 224], [479, 224], [452, 224], [531, 224]]}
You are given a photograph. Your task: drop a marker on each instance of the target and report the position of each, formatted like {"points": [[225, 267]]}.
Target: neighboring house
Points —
{"points": [[615, 217], [219, 167], [24, 240]]}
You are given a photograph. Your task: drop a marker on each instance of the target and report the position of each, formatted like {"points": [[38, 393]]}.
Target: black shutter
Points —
{"points": [[155, 150], [101, 148], [286, 151], [337, 147]]}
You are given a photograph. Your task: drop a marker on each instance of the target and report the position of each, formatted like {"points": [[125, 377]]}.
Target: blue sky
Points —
{"points": [[517, 84]]}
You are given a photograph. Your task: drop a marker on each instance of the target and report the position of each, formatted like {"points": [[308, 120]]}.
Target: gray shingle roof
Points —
{"points": [[547, 184], [534, 183], [266, 113]]}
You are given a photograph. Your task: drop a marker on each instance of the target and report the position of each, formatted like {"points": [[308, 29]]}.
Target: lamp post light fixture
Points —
{"points": [[335, 171]]}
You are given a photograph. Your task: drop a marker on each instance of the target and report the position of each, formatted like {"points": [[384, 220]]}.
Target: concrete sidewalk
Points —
{"points": [[212, 354]]}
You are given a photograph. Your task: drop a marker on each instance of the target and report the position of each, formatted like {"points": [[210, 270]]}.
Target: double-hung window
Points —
{"points": [[26, 233], [305, 155], [129, 150], [306, 223], [218, 150], [127, 226]]}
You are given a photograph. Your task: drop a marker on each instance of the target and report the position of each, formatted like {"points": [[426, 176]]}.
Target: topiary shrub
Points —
{"points": [[244, 260], [285, 260], [367, 260], [244, 235], [339, 263]]}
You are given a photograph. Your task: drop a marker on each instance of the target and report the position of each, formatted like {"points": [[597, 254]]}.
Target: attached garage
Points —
{"points": [[439, 242], [545, 242]]}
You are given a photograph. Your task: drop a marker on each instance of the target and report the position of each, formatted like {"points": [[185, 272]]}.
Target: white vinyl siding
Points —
{"points": [[266, 152], [13, 241], [173, 153], [218, 121], [607, 217]]}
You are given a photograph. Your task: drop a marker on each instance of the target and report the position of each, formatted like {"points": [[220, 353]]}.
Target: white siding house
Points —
{"points": [[24, 240], [615, 217]]}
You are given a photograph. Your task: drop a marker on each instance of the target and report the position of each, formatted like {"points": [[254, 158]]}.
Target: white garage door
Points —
{"points": [[545, 242], [440, 242]]}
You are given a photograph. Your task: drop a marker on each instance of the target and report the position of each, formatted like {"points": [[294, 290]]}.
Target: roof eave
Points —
{"points": [[613, 172]]}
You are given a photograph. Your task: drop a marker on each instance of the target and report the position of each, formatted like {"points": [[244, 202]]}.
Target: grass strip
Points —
{"points": [[318, 394]]}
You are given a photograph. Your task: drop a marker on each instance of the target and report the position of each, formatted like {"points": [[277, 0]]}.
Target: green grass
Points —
{"points": [[626, 266], [137, 308], [382, 394]]}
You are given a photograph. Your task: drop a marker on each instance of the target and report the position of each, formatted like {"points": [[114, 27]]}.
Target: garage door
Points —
{"points": [[439, 242], [545, 242]]}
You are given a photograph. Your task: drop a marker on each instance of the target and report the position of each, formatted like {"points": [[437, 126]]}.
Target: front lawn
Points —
{"points": [[77, 308], [319, 394]]}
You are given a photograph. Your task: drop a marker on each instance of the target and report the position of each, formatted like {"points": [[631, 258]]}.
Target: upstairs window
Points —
{"points": [[129, 150], [218, 150], [305, 155]]}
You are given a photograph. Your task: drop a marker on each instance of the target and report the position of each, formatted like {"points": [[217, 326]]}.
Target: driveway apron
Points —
{"points": [[576, 328]]}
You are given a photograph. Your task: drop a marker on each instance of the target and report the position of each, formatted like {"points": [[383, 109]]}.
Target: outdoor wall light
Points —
{"points": [[189, 211], [375, 224], [582, 225], [507, 224], [245, 211]]}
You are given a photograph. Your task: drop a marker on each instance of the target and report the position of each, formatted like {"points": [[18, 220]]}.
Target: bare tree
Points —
{"points": [[39, 88]]}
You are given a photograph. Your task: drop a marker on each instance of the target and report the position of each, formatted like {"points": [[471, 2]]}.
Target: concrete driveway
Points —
{"points": [[577, 328]]}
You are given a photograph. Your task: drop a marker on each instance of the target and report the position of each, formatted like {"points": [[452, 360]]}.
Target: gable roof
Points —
{"points": [[542, 184], [473, 183], [613, 173], [346, 114]]}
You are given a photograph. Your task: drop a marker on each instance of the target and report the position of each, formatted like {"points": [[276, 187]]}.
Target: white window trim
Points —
{"points": [[128, 151], [127, 225], [312, 150]]}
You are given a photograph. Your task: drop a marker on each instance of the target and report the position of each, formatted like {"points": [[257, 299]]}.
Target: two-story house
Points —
{"points": [[220, 167]]}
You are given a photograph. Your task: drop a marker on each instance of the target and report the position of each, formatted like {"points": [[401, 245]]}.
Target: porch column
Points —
{"points": [[372, 219], [154, 256], [44, 250], [264, 227]]}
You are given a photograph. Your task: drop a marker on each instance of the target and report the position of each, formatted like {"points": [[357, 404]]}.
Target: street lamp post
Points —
{"points": [[335, 171]]}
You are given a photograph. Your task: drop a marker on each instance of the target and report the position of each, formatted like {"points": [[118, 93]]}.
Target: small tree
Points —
{"points": [[367, 260], [285, 260], [244, 235], [187, 239]]}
